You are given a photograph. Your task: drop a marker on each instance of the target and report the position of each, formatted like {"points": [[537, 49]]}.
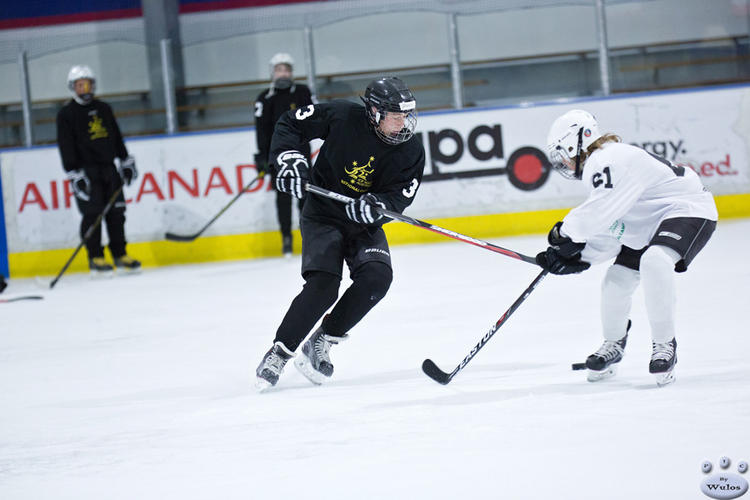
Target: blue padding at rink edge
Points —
{"points": [[3, 240]]}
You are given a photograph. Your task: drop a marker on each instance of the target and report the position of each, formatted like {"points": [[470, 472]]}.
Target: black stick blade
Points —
{"points": [[177, 237], [431, 370], [25, 297]]}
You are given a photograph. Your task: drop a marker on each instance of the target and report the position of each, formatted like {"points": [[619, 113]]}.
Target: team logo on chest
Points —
{"points": [[359, 176], [97, 129]]}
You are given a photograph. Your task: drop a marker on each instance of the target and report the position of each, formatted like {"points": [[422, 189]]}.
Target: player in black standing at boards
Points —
{"points": [[90, 142], [371, 155], [282, 96]]}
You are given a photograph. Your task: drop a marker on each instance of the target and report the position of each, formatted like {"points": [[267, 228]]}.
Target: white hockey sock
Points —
{"points": [[617, 296], [657, 270]]}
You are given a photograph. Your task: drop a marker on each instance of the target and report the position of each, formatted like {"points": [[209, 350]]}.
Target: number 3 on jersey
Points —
{"points": [[411, 190], [303, 113]]}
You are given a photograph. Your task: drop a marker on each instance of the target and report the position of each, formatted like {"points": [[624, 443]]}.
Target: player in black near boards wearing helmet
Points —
{"points": [[284, 94], [89, 140], [371, 155]]}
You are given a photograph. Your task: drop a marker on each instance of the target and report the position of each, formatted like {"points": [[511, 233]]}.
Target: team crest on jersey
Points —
{"points": [[359, 176], [97, 129]]}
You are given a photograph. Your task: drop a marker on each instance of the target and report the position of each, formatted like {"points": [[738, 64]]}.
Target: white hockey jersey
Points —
{"points": [[630, 193]]}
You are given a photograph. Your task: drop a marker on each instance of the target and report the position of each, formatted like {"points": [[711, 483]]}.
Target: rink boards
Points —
{"points": [[486, 176]]}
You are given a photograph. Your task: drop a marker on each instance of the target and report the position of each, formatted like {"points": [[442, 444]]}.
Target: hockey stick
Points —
{"points": [[426, 225], [24, 297], [438, 375], [88, 234], [192, 237]]}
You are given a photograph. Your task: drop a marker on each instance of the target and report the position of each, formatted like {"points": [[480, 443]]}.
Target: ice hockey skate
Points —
{"points": [[663, 359], [603, 363], [100, 268], [314, 362], [127, 264], [271, 366]]}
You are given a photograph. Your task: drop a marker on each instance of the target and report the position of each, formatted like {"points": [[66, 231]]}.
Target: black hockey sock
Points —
{"points": [[116, 232], [94, 243], [318, 294], [284, 212], [370, 284]]}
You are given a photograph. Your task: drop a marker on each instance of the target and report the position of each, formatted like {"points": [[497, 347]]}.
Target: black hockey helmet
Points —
{"points": [[390, 94]]}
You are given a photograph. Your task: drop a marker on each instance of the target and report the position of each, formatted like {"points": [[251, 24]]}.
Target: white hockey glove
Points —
{"points": [[364, 209], [293, 173], [80, 183], [127, 170]]}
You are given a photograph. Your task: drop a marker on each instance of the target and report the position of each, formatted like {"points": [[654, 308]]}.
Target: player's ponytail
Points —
{"points": [[598, 144]]}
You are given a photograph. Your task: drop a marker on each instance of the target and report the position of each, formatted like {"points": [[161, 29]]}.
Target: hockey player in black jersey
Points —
{"points": [[89, 140], [283, 95], [371, 155]]}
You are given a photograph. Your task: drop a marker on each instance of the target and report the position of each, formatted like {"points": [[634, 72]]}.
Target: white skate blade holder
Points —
{"points": [[305, 368], [665, 378], [262, 385], [598, 376]]}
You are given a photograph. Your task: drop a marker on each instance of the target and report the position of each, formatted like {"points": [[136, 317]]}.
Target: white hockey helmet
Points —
{"points": [[570, 135], [78, 72], [281, 58]]}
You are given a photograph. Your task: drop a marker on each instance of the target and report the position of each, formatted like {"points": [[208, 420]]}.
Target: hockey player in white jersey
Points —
{"points": [[651, 215]]}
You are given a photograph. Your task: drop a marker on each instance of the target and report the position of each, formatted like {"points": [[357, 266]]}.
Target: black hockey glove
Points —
{"points": [[3, 284], [364, 209], [127, 170], [80, 183], [565, 247], [552, 261], [261, 165], [293, 173]]}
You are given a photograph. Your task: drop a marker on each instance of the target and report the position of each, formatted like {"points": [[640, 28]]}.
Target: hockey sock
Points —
{"points": [[317, 295], [617, 297], [657, 272], [370, 284]]}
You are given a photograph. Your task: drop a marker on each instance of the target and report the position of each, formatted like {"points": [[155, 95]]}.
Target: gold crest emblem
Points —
{"points": [[359, 176], [96, 128]]}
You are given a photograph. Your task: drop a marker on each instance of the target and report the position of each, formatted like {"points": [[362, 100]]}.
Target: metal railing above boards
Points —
{"points": [[694, 63]]}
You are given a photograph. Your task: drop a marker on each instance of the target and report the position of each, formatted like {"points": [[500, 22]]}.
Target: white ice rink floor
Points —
{"points": [[141, 387]]}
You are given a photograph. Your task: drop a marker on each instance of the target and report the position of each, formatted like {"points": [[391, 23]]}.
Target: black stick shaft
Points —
{"points": [[88, 234], [191, 237], [435, 373], [426, 225]]}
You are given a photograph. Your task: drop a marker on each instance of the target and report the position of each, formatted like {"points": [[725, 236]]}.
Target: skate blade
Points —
{"points": [[124, 271], [598, 376], [304, 366], [102, 275], [262, 385], [665, 378]]}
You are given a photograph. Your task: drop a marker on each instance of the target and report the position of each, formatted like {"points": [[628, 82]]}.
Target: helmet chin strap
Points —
{"points": [[577, 173], [83, 99]]}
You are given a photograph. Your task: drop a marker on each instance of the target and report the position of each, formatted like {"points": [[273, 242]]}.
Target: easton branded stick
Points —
{"points": [[438, 375], [88, 234], [425, 225], [191, 237]]}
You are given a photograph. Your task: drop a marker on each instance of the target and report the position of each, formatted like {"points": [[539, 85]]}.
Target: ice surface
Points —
{"points": [[141, 387]]}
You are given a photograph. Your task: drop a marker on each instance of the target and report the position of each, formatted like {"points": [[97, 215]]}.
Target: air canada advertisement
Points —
{"points": [[485, 161]]}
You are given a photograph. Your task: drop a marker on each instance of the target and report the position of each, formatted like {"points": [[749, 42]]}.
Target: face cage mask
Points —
{"points": [[86, 97], [558, 157], [406, 132], [282, 83]]}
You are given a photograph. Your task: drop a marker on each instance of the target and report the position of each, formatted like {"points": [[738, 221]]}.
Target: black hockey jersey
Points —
{"points": [[352, 160], [88, 135], [269, 106]]}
